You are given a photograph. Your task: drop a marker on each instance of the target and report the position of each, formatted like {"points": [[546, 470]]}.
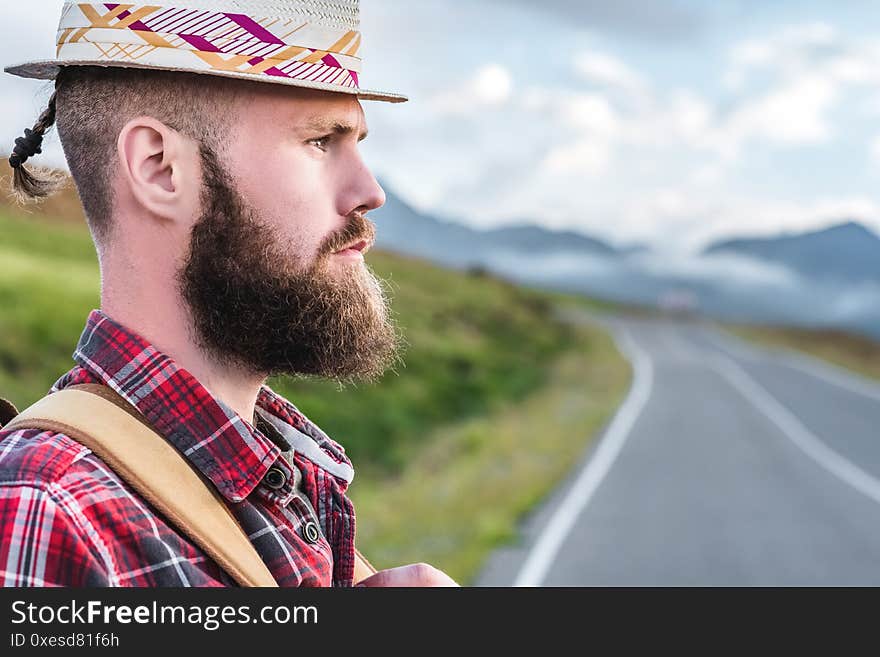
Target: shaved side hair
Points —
{"points": [[92, 104]]}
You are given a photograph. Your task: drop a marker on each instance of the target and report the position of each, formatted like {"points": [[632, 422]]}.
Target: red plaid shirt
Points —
{"points": [[67, 520]]}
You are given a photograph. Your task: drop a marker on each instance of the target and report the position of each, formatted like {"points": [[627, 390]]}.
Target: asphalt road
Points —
{"points": [[727, 465]]}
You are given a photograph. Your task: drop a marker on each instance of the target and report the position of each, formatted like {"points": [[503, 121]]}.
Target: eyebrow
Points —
{"points": [[338, 127]]}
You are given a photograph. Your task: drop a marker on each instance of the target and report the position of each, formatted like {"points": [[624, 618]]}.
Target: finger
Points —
{"points": [[418, 574]]}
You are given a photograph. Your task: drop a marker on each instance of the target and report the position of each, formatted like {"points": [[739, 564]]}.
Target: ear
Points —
{"points": [[160, 168]]}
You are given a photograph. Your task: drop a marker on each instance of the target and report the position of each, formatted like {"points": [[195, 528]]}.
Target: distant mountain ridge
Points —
{"points": [[534, 238], [402, 228], [835, 281], [847, 252]]}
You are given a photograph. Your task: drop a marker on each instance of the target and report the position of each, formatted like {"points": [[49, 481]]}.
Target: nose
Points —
{"points": [[365, 192]]}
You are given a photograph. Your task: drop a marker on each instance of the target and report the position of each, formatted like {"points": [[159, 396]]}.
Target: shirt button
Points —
{"points": [[310, 532], [275, 478]]}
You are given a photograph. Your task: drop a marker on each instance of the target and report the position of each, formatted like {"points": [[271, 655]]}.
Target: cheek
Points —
{"points": [[299, 246], [287, 190], [269, 185]]}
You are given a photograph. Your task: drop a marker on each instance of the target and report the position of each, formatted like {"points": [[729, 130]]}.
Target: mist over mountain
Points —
{"points": [[822, 278], [534, 239], [404, 229], [847, 252]]}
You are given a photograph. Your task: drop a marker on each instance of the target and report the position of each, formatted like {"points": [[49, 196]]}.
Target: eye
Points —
{"points": [[321, 142]]}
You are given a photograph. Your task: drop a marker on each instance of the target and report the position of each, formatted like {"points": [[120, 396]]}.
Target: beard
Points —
{"points": [[255, 307]]}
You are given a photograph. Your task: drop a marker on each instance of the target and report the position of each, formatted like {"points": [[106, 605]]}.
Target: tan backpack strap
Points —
{"points": [[7, 411], [116, 433], [120, 436], [362, 567]]}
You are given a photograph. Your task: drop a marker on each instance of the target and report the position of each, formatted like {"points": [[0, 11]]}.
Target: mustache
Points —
{"points": [[357, 228]]}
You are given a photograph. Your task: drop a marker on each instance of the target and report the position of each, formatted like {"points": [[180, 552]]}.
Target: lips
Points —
{"points": [[361, 245]]}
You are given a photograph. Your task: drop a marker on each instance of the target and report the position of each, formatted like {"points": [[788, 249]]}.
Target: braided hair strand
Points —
{"points": [[28, 184]]}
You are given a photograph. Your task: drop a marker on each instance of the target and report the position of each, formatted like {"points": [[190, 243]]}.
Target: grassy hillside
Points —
{"points": [[473, 342], [48, 282], [463, 494], [494, 403], [855, 352]]}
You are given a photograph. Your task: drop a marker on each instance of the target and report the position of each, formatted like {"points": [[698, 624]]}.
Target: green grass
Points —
{"points": [[474, 344], [855, 352], [473, 341], [494, 402], [463, 495], [48, 282]]}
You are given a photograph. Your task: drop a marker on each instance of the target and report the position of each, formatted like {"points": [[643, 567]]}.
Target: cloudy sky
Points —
{"points": [[672, 122]]}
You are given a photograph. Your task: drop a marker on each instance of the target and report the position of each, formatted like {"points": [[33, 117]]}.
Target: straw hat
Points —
{"points": [[303, 43]]}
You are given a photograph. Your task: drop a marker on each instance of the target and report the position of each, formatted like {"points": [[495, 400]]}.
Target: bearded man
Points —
{"points": [[214, 147]]}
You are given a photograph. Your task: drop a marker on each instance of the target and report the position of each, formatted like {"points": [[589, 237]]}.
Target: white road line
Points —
{"points": [[832, 374], [795, 431], [557, 529], [734, 345], [815, 367]]}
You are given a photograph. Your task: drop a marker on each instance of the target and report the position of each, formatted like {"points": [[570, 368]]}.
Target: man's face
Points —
{"points": [[267, 280], [294, 158]]}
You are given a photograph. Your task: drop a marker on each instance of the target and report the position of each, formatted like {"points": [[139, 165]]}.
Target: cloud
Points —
{"points": [[667, 21], [717, 268], [583, 158], [489, 86], [554, 266], [585, 127], [791, 81], [589, 113], [853, 303], [791, 49], [680, 119], [795, 113], [607, 141], [875, 149], [606, 70], [769, 216]]}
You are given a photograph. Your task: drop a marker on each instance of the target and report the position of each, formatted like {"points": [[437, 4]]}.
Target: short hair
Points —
{"points": [[92, 104]]}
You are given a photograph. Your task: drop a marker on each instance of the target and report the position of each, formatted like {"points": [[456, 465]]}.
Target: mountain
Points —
{"points": [[845, 253], [405, 230], [535, 239], [825, 278]]}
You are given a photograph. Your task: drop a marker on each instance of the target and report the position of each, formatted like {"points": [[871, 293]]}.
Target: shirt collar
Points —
{"points": [[221, 444]]}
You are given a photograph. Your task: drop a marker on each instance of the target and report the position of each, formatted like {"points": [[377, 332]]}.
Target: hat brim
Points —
{"points": [[49, 69]]}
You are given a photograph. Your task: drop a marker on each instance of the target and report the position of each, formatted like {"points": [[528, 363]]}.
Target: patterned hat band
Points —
{"points": [[308, 45]]}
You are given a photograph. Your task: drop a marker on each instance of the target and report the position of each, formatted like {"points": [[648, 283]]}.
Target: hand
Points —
{"points": [[416, 574]]}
